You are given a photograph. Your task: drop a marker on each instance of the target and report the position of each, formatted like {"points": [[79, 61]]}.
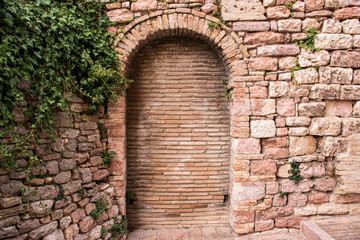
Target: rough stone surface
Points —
{"points": [[262, 106], [240, 10], [279, 50], [144, 5], [247, 146], [248, 191], [43, 230], [312, 109], [331, 26], [278, 12], [318, 58], [263, 128], [263, 64], [313, 5], [325, 126], [302, 145], [350, 59], [334, 41], [120, 15], [289, 25], [305, 76], [257, 26], [324, 91]]}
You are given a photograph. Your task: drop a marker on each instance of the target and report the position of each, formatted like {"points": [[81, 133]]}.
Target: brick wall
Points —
{"points": [[177, 135]]}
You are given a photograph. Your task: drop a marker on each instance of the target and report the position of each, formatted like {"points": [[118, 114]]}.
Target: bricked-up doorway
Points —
{"points": [[178, 140]]}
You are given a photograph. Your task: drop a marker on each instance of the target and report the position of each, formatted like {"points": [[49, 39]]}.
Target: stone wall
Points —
{"points": [[277, 116]]}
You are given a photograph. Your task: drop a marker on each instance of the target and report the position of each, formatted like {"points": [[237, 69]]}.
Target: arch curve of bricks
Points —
{"points": [[184, 23]]}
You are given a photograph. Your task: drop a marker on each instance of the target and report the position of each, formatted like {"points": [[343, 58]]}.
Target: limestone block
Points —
{"points": [[262, 107], [350, 59], [263, 64], [260, 38], [333, 4], [289, 25], [331, 26], [347, 13], [333, 41], [313, 5], [278, 50], [278, 89], [248, 191], [233, 10], [298, 131], [310, 23], [262, 128], [246, 146], [302, 145], [277, 12], [144, 5], [330, 75], [331, 208], [312, 109], [357, 41], [325, 126], [308, 58], [338, 108], [288, 62], [305, 76], [324, 91], [351, 26], [298, 121], [251, 26], [120, 15], [286, 107], [351, 92]]}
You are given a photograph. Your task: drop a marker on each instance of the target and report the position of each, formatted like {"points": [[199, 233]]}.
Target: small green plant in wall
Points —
{"points": [[228, 95], [107, 157], [119, 229], [101, 205], [295, 171], [283, 194], [309, 42]]}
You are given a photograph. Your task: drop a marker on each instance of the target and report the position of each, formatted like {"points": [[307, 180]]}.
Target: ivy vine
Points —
{"points": [[50, 51]]}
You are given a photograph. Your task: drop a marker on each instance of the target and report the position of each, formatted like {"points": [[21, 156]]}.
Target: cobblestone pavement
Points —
{"points": [[211, 233]]}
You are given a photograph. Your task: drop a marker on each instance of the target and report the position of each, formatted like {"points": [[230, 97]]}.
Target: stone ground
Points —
{"points": [[211, 233]]}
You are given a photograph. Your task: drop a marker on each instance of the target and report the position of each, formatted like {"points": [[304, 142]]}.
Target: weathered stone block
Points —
{"points": [[278, 201], [347, 13], [298, 131], [324, 91], [277, 12], [357, 41], [288, 62], [350, 126], [312, 109], [262, 128], [286, 107], [325, 126], [305, 76], [332, 208], [289, 25], [263, 64], [297, 200], [310, 23], [283, 171], [278, 50], [248, 191], [331, 26], [318, 198], [100, 174], [302, 145], [264, 38], [246, 146], [40, 208], [120, 15], [240, 106], [248, 26], [277, 153], [258, 92], [325, 184], [144, 5], [330, 75], [298, 121], [8, 232], [209, 7], [314, 5], [350, 59], [43, 230], [351, 26], [356, 77], [242, 10], [334, 41], [28, 225], [333, 4], [276, 212], [264, 225], [62, 177], [351, 92], [278, 89], [263, 167], [57, 235], [72, 187], [263, 106], [318, 58]]}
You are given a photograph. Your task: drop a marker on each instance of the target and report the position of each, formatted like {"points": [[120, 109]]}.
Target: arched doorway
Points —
{"points": [[178, 140]]}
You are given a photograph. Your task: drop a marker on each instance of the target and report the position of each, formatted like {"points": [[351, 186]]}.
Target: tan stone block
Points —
{"points": [[302, 145]]}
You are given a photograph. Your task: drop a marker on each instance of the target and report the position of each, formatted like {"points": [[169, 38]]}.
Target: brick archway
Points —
{"points": [[193, 24]]}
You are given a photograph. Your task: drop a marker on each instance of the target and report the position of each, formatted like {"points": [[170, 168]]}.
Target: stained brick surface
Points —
{"points": [[178, 135]]}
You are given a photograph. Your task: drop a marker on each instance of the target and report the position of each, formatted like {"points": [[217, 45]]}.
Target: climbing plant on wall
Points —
{"points": [[56, 49]]}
